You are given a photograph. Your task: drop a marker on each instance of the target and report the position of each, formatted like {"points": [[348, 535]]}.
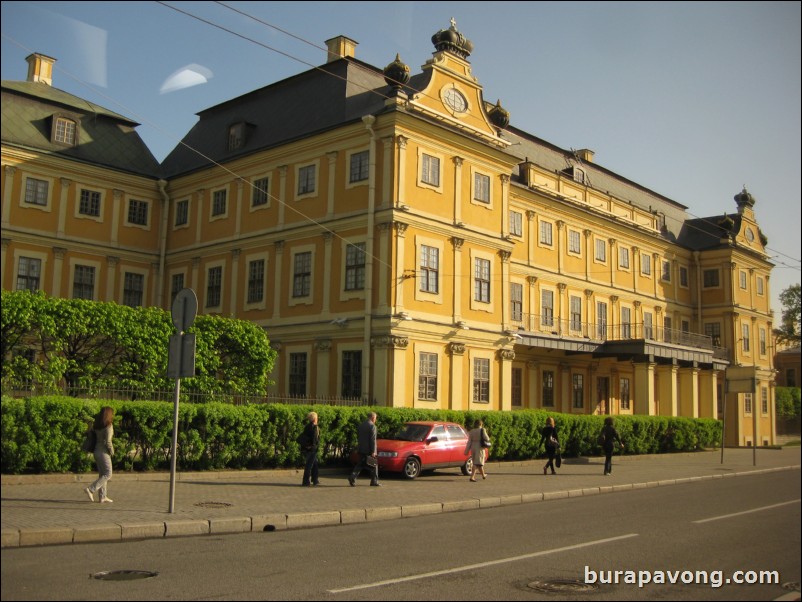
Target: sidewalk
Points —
{"points": [[53, 509]]}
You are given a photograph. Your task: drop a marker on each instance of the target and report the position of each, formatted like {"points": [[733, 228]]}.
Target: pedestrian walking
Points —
{"points": [[552, 442], [310, 442], [478, 445], [608, 438], [104, 450], [366, 446]]}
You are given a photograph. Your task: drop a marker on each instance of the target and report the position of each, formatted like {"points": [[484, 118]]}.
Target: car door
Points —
{"points": [[437, 453], [457, 439]]}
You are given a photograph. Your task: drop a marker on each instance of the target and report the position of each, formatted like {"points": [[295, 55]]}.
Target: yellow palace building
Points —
{"points": [[400, 242]]}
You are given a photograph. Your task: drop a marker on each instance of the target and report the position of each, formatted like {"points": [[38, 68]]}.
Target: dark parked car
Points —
{"points": [[419, 446]]}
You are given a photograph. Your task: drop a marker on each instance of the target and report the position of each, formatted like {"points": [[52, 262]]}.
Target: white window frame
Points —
{"points": [[717, 272], [600, 250], [683, 269], [30, 254], [138, 272], [419, 350], [516, 223], [250, 258], [624, 260], [742, 279], [357, 293], [185, 224], [423, 157], [349, 158], [212, 216], [75, 261], [148, 208], [485, 306], [665, 270], [48, 182], [101, 203], [545, 229], [646, 265], [214, 309], [574, 236], [315, 166], [306, 299], [427, 296], [255, 189]]}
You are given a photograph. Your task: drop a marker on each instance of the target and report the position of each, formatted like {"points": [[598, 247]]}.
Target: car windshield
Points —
{"points": [[411, 432]]}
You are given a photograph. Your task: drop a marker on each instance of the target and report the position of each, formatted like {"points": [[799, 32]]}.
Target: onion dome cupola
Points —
{"points": [[499, 116], [396, 74], [744, 199], [453, 41]]}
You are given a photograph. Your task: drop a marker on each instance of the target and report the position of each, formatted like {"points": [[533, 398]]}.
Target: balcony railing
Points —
{"points": [[546, 325]]}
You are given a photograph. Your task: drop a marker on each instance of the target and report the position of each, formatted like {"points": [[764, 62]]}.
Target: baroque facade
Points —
{"points": [[400, 242]]}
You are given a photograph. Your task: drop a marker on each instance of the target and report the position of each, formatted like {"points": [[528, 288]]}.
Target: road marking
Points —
{"points": [[480, 565], [707, 520]]}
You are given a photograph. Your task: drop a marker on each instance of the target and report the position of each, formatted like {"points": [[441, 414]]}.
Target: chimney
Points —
{"points": [[585, 155], [40, 68], [340, 47]]}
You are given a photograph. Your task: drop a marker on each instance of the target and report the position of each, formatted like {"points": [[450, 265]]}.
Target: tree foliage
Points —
{"points": [[89, 345], [789, 330]]}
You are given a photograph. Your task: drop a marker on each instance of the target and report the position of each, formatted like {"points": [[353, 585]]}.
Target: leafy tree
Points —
{"points": [[790, 299]]}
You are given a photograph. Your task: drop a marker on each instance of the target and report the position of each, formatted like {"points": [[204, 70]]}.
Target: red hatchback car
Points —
{"points": [[419, 446]]}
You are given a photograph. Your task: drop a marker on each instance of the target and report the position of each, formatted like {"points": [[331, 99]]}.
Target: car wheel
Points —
{"points": [[467, 467], [411, 468]]}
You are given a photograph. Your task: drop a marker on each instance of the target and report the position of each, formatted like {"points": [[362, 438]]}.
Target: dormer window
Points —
{"points": [[64, 131], [577, 174], [236, 136]]}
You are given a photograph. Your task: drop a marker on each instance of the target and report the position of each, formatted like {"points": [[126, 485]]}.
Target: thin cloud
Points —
{"points": [[186, 77]]}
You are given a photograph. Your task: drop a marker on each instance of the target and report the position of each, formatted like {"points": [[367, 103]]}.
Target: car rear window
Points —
{"points": [[411, 432]]}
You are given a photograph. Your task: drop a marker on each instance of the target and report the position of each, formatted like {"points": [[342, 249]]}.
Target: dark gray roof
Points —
{"points": [[709, 232], [314, 101], [104, 137]]}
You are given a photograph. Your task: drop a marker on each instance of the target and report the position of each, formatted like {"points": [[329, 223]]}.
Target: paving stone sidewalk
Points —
{"points": [[53, 509]]}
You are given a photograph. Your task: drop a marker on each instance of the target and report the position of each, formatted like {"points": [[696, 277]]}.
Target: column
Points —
{"points": [[560, 307], [282, 194], [613, 259], [116, 209], [194, 277], [384, 266], [327, 287], [58, 266], [643, 397], [456, 281], [668, 390], [505, 358], [6, 216], [233, 306], [708, 390], [531, 233], [62, 206], [332, 156], [689, 392], [505, 289], [532, 369], [111, 272], [323, 349], [531, 310], [564, 393], [505, 204], [458, 161], [386, 173], [399, 253], [401, 142], [238, 208], [458, 400], [199, 216], [6, 270], [277, 281]]}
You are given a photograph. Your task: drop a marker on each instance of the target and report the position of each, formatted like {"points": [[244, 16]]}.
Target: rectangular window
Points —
{"points": [[624, 388], [626, 323], [219, 203], [182, 212], [762, 341], [517, 391], [214, 286], [297, 376], [355, 267], [481, 380], [359, 166], [745, 335], [90, 203], [256, 281], [302, 275], [668, 332], [601, 250], [306, 179], [547, 308], [138, 212], [665, 271], [430, 170], [601, 320], [574, 242], [259, 192], [764, 400], [481, 188], [65, 131], [36, 192], [760, 290], [548, 389], [710, 278], [747, 403], [516, 302], [576, 313], [713, 330], [578, 391], [648, 325], [742, 279], [646, 264], [133, 289], [545, 233], [623, 257], [481, 281], [236, 136], [429, 269], [29, 271], [83, 284], [683, 277], [427, 380], [352, 374], [516, 223], [176, 286]]}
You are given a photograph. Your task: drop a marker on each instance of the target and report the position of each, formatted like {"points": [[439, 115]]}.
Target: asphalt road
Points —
{"points": [[537, 551]]}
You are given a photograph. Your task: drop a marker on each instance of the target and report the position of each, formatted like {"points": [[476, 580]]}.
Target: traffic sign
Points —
{"points": [[184, 310]]}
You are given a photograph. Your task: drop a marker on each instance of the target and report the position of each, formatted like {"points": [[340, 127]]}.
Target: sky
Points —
{"points": [[693, 100]]}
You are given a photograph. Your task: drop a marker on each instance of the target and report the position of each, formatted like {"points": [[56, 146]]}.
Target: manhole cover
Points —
{"points": [[213, 505], [124, 575], [559, 586]]}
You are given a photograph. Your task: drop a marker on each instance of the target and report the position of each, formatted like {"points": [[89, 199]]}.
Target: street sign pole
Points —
{"points": [[180, 363]]}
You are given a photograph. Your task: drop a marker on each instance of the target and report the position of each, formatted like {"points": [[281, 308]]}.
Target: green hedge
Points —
{"points": [[43, 434]]}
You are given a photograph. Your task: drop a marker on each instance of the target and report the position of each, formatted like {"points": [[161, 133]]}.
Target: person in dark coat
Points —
{"points": [[607, 439], [310, 443], [549, 437], [366, 440]]}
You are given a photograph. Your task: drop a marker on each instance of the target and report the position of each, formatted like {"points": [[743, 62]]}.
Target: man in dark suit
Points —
{"points": [[366, 439]]}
